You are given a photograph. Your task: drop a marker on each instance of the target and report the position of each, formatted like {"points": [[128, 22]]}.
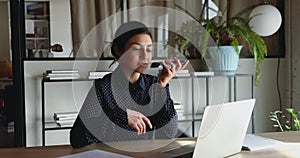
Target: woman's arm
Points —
{"points": [[80, 134], [165, 120]]}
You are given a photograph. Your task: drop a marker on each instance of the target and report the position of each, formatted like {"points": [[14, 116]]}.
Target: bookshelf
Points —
{"points": [[37, 28]]}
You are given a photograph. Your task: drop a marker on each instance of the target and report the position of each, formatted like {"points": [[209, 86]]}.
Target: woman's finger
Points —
{"points": [[143, 127], [185, 64], [148, 122], [137, 128], [178, 64]]}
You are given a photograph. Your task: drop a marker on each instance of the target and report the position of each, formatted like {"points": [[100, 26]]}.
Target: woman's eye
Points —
{"points": [[136, 49], [149, 50]]}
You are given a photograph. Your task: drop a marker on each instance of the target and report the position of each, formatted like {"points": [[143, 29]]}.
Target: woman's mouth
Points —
{"points": [[144, 64]]}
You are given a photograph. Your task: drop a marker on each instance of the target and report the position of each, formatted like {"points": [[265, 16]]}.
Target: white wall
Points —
{"points": [[294, 34], [60, 26]]}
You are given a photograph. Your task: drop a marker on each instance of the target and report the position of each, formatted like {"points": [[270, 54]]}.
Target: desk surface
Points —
{"points": [[56, 151]]}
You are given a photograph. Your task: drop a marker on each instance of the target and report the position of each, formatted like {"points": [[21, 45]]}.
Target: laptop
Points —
{"points": [[222, 130]]}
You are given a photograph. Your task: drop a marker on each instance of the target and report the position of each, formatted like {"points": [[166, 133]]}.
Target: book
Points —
{"points": [[179, 111], [254, 142], [62, 74], [178, 106], [11, 127], [98, 73], [61, 71], [63, 78], [65, 118], [65, 114], [184, 71], [65, 122], [203, 73], [182, 74]]}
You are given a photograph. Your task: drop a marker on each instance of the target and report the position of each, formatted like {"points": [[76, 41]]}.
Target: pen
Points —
{"points": [[153, 134]]}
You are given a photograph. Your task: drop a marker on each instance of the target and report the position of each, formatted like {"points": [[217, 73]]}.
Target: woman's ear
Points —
{"points": [[117, 51]]}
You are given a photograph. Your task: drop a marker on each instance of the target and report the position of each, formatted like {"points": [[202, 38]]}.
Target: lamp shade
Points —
{"points": [[266, 20]]}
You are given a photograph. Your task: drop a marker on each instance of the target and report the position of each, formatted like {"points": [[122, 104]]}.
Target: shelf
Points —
{"points": [[37, 38], [187, 118], [68, 80], [44, 20], [190, 117]]}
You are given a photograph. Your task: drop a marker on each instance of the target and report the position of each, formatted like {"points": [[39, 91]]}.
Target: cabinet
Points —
{"points": [[194, 117], [37, 29]]}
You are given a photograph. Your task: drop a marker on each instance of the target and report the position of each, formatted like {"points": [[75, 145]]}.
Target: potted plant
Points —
{"points": [[284, 123], [232, 31]]}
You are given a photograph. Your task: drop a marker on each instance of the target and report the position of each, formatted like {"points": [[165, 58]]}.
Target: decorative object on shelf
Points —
{"points": [[56, 48], [285, 123], [262, 15]]}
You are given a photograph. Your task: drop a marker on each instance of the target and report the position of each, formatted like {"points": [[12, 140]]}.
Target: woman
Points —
{"points": [[128, 104]]}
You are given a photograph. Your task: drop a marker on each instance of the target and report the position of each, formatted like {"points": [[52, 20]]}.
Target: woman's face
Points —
{"points": [[138, 53]]}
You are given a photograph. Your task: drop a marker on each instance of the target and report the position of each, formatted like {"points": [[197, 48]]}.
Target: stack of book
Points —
{"points": [[180, 110], [65, 119], [61, 74], [203, 73], [183, 73], [97, 74], [11, 127]]}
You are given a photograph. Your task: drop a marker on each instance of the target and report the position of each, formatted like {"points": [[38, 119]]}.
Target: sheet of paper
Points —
{"points": [[254, 142], [95, 154]]}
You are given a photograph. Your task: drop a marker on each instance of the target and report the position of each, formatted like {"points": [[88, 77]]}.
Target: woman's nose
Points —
{"points": [[144, 53]]}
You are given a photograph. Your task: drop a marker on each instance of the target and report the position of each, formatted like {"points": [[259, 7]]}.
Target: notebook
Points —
{"points": [[222, 130]]}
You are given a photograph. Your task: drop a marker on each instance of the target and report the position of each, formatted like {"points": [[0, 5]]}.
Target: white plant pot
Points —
{"points": [[224, 59]]}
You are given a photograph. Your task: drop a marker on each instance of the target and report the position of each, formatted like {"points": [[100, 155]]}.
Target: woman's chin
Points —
{"points": [[141, 69]]}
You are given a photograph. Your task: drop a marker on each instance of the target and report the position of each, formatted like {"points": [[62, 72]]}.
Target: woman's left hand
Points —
{"points": [[169, 72]]}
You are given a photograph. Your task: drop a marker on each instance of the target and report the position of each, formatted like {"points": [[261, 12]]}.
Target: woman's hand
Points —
{"points": [[138, 121], [169, 72]]}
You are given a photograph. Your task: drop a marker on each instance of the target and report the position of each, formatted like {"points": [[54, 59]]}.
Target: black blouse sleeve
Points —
{"points": [[166, 118], [79, 135]]}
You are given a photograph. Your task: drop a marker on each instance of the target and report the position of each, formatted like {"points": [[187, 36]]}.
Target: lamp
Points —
{"points": [[266, 20]]}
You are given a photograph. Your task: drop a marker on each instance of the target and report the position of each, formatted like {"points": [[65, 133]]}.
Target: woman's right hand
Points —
{"points": [[138, 121]]}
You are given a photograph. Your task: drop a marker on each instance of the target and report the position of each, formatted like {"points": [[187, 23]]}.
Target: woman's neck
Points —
{"points": [[132, 76]]}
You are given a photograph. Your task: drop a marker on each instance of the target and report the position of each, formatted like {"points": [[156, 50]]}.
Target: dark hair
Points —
{"points": [[125, 32]]}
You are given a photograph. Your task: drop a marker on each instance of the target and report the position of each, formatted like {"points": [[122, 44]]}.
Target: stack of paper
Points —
{"points": [[65, 118]]}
